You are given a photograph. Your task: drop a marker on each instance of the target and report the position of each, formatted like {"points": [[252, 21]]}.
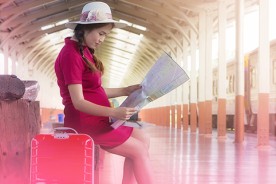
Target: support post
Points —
{"points": [[19, 123]]}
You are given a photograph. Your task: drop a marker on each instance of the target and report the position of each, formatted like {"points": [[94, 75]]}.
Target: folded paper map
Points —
{"points": [[164, 76]]}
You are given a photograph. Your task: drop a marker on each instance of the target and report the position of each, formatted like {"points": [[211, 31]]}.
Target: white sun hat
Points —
{"points": [[95, 13]]}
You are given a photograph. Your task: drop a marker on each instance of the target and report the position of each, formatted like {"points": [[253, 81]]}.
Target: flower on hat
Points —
{"points": [[94, 15]]}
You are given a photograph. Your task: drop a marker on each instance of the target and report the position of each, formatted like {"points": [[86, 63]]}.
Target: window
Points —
{"points": [[252, 77]]}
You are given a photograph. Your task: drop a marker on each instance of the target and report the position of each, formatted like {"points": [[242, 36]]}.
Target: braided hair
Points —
{"points": [[79, 34]]}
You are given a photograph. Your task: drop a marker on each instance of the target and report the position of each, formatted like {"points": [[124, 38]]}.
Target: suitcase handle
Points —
{"points": [[60, 132], [64, 129]]}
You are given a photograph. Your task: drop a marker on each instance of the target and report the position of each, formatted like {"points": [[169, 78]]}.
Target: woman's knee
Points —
{"points": [[132, 148], [141, 136], [140, 153]]}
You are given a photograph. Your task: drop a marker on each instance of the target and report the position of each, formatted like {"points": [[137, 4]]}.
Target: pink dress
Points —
{"points": [[71, 69]]}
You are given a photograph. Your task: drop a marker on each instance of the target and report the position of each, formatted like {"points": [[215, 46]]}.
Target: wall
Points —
{"points": [[49, 115], [48, 94]]}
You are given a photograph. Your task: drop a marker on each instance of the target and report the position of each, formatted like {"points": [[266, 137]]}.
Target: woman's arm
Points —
{"points": [[116, 92], [91, 108]]}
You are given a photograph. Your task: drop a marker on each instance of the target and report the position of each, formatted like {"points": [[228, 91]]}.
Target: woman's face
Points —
{"points": [[95, 37]]}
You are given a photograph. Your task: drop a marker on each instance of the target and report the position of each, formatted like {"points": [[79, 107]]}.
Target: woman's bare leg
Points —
{"points": [[135, 149], [128, 174], [128, 177]]}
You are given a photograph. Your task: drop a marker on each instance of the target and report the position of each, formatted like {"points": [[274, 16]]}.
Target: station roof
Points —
{"points": [[34, 31]]}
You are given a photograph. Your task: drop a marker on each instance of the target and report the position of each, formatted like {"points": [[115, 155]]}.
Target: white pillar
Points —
{"points": [[222, 51], [222, 69], [13, 68], [179, 89], [6, 60], [263, 71], [193, 83], [185, 67], [239, 81], [239, 47], [202, 61], [202, 53], [209, 62], [264, 59], [185, 88], [208, 75], [193, 74]]}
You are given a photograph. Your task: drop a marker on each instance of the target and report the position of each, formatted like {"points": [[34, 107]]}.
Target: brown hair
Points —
{"points": [[79, 34]]}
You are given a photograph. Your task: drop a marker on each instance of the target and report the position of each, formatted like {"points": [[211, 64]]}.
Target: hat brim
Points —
{"points": [[72, 25]]}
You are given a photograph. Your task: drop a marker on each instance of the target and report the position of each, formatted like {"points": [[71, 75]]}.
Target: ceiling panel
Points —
{"points": [[166, 24]]}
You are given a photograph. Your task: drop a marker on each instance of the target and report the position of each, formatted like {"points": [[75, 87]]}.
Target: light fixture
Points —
{"points": [[62, 22], [139, 27], [126, 22], [47, 27]]}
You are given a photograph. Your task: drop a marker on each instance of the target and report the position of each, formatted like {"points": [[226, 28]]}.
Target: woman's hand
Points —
{"points": [[123, 113], [128, 90]]}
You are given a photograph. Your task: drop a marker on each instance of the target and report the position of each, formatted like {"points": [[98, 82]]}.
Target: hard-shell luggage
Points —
{"points": [[62, 158]]}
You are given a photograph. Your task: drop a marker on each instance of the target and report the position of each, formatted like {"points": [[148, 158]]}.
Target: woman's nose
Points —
{"points": [[102, 38]]}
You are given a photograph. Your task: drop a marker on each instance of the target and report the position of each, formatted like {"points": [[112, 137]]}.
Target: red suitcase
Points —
{"points": [[62, 158]]}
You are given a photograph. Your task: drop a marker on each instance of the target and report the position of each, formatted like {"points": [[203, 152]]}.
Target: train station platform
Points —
{"points": [[180, 157]]}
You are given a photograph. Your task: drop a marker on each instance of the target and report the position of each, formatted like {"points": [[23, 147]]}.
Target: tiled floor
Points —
{"points": [[189, 158]]}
